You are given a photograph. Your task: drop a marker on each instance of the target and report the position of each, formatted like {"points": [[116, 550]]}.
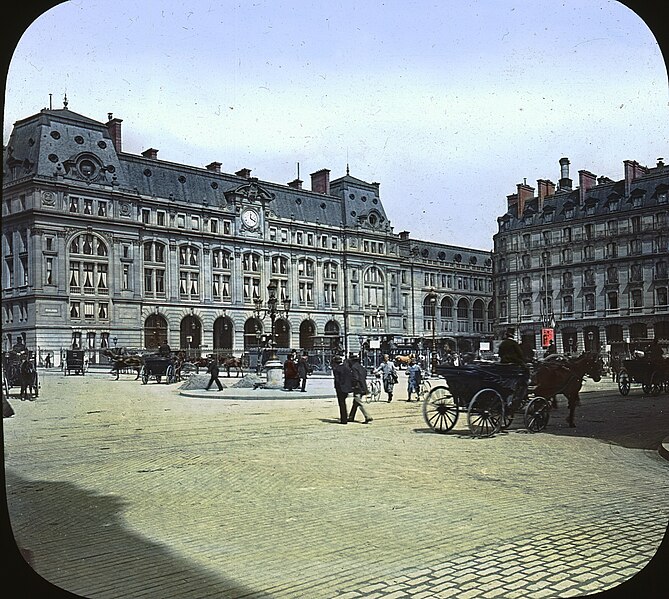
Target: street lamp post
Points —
{"points": [[432, 297], [273, 309]]}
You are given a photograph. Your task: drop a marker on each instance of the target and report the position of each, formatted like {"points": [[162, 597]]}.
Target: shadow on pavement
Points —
{"points": [[77, 540]]}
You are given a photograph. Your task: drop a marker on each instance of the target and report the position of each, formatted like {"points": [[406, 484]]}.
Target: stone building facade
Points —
{"points": [[104, 248], [590, 261]]}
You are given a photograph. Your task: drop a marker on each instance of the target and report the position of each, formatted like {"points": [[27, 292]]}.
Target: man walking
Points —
{"points": [[303, 371], [359, 384], [212, 369], [415, 375], [343, 384], [389, 376]]}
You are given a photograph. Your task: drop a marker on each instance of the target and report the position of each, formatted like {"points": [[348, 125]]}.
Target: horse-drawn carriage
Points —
{"points": [[74, 361], [490, 395], [652, 374], [19, 369], [157, 366]]}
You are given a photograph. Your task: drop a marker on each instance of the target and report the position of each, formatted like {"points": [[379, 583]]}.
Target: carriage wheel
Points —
{"points": [[646, 388], [485, 414], [537, 414], [508, 419], [145, 376], [440, 410], [623, 383], [171, 376]]}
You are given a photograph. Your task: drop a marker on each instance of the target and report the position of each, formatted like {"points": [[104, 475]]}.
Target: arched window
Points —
{"points": [[251, 268], [305, 282], [330, 285], [189, 272], [463, 309]]}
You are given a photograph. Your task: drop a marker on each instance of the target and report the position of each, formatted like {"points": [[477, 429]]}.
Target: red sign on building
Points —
{"points": [[547, 335]]}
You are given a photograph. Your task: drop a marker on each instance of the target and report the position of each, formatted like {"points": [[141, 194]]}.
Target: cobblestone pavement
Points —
{"points": [[118, 489]]}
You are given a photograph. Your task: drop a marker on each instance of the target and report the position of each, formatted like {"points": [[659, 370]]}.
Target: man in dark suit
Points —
{"points": [[359, 379], [343, 383], [213, 370]]}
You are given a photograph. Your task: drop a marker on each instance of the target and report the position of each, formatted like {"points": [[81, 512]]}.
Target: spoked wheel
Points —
{"points": [[145, 376], [537, 414], [440, 410], [623, 383], [485, 414]]}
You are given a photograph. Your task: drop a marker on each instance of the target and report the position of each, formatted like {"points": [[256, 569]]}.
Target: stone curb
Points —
{"points": [[664, 448]]}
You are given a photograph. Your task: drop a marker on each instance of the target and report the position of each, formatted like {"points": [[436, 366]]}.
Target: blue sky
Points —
{"points": [[448, 105]]}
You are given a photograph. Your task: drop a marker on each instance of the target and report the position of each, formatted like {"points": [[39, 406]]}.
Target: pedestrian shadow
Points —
{"points": [[62, 537]]}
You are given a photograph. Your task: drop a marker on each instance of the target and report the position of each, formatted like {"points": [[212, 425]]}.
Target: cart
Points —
{"points": [[75, 362], [11, 371], [652, 374], [158, 367], [490, 394]]}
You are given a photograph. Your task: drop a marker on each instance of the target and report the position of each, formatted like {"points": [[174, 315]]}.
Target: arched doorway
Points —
{"points": [[591, 338], [223, 333], [190, 332], [281, 332], [253, 331], [155, 331], [569, 341], [333, 335], [661, 330], [307, 333]]}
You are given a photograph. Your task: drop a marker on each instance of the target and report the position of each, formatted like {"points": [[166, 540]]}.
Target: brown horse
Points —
{"points": [[565, 377], [124, 362], [403, 360], [229, 362]]}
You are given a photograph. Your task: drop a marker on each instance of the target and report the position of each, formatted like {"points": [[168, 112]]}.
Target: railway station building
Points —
{"points": [[102, 248]]}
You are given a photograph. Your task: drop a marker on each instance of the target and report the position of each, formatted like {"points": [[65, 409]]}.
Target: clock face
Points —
{"points": [[250, 218]]}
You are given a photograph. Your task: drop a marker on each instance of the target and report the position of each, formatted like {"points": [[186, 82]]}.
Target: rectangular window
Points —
{"points": [[102, 208], [88, 206], [195, 223], [160, 218], [148, 280], [89, 310], [74, 204], [126, 277], [146, 215], [103, 313], [75, 310], [160, 281], [48, 272], [227, 227], [213, 225], [310, 239], [181, 221]]}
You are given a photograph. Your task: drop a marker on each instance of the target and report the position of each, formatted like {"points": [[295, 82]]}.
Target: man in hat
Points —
{"points": [[303, 371], [510, 351], [359, 380], [343, 384]]}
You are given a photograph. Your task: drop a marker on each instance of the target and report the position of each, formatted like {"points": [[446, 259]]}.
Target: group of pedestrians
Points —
{"points": [[350, 376], [295, 372]]}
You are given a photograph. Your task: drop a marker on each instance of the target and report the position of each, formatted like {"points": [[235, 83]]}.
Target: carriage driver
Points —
{"points": [[510, 351]]}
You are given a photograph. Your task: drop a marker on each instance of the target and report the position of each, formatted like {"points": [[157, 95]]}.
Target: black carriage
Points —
{"points": [[11, 371], [75, 362], [159, 368], [490, 394], [653, 375]]}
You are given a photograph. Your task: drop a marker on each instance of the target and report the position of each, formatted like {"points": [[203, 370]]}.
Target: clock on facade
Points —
{"points": [[250, 218]]}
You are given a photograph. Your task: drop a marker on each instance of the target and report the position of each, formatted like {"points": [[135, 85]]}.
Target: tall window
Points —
{"points": [[330, 284], [221, 273], [305, 274], [373, 289], [189, 272], [154, 269]]}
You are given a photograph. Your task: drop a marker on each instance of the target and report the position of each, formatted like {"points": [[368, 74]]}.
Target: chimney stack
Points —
{"points": [[296, 184], [586, 181], [320, 181], [214, 167], [114, 128], [545, 188], [245, 173], [633, 170], [524, 193], [404, 235], [150, 153], [565, 181]]}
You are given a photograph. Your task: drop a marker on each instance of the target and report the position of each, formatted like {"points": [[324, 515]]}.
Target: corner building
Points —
{"points": [[103, 248], [590, 262]]}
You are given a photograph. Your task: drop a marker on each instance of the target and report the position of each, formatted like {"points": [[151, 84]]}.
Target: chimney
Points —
{"points": [[511, 201], [404, 235], [586, 181], [296, 184], [150, 153], [214, 167], [320, 181], [245, 173], [565, 181], [545, 188], [114, 128], [524, 193]]}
